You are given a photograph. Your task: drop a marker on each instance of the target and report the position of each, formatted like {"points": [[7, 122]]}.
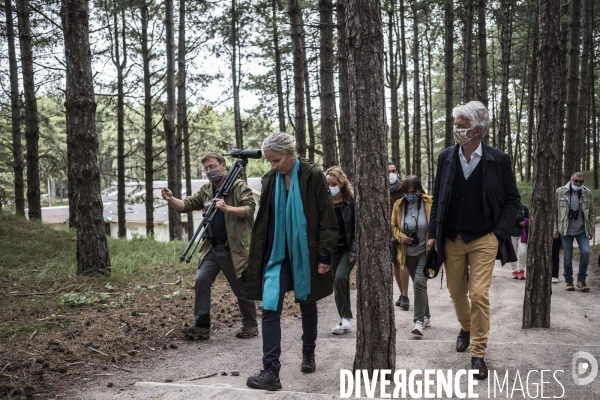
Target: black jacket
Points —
{"points": [[500, 193], [348, 214]]}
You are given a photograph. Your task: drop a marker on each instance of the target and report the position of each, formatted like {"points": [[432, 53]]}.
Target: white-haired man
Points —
{"points": [[475, 202]]}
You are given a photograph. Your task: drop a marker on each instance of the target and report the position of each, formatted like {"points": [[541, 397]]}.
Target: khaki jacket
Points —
{"points": [[561, 220], [396, 221], [239, 230]]}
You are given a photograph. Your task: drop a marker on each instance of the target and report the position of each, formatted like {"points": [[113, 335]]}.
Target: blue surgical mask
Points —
{"points": [[412, 197], [334, 190], [576, 188]]}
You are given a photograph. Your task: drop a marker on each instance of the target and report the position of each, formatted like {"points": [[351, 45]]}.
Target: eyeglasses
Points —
{"points": [[578, 181], [211, 168]]}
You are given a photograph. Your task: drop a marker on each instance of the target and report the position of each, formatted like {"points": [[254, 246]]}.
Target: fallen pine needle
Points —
{"points": [[169, 332], [122, 369], [98, 351], [202, 377], [75, 363], [33, 334], [103, 374]]}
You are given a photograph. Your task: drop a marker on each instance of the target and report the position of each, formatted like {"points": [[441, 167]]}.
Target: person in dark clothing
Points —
{"points": [[344, 258], [475, 201], [556, 245], [519, 234], [294, 238]]}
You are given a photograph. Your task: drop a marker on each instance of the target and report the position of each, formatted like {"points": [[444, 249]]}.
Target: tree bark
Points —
{"points": [[531, 98], [584, 83], [573, 137], [169, 124], [182, 119], [330, 157], [278, 82], [297, 32], [403, 72], [344, 137], [506, 42], [237, 114], [309, 115], [538, 290], [449, 69], [482, 39], [80, 105], [148, 127], [394, 83], [17, 148], [595, 165], [115, 53], [376, 334], [467, 84], [416, 95], [32, 132]]}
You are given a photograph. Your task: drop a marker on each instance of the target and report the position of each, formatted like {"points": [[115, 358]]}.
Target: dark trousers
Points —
{"points": [[556, 243], [219, 259], [271, 323], [342, 267]]}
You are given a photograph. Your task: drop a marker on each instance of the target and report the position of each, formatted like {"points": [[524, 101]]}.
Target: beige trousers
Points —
{"points": [[471, 298]]}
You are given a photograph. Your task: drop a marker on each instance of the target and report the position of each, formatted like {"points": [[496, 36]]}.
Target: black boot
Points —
{"points": [[463, 340], [266, 379], [478, 364], [308, 361]]}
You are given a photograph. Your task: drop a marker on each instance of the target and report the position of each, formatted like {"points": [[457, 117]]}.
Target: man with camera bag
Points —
{"points": [[475, 202], [575, 219], [224, 249]]}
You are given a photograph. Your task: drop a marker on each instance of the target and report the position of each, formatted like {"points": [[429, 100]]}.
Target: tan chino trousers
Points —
{"points": [[471, 298]]}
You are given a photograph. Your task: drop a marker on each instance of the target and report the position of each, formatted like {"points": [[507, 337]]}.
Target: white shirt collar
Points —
{"points": [[478, 151]]}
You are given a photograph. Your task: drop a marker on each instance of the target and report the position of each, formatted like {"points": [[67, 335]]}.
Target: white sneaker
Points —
{"points": [[554, 280], [344, 326], [418, 329], [426, 322]]}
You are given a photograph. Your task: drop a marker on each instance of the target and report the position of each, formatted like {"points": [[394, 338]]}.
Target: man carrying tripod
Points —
{"points": [[224, 249]]}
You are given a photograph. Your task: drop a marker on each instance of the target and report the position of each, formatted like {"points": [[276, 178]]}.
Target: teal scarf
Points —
{"points": [[290, 229]]}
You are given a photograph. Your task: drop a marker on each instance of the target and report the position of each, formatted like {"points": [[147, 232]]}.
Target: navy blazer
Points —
{"points": [[500, 194]]}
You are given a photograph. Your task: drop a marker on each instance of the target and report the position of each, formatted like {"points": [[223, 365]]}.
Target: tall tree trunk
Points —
{"points": [[404, 74], [584, 83], [376, 335], [531, 97], [467, 84], [595, 165], [32, 132], [394, 82], [426, 98], [417, 94], [430, 156], [494, 116], [182, 118], [148, 126], [80, 106], [344, 138], [15, 115], [538, 290], [297, 33], [237, 115], [573, 137], [330, 157], [115, 52], [506, 41], [482, 39], [449, 69], [169, 124], [280, 105], [309, 116], [519, 100]]}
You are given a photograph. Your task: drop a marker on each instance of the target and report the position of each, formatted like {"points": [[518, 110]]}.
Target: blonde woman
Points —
{"points": [[344, 258]]}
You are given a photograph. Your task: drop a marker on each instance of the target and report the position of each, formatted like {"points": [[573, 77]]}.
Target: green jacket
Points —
{"points": [[239, 229], [321, 229], [586, 202], [523, 213]]}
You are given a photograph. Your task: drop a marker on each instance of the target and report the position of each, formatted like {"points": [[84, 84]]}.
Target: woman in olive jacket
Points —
{"points": [[294, 237]]}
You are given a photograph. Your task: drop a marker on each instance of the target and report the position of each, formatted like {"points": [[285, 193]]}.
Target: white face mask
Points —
{"points": [[334, 190], [576, 188], [393, 178], [460, 136]]}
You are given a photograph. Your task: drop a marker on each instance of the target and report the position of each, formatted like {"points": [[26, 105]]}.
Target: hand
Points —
{"points": [[324, 268], [522, 223], [220, 204], [555, 235], [591, 236], [166, 194], [432, 244], [352, 258], [407, 240]]}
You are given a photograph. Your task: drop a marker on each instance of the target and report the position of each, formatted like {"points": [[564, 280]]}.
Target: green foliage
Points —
{"points": [[78, 299]]}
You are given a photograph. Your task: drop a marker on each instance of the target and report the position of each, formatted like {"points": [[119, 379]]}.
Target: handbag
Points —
{"points": [[431, 269]]}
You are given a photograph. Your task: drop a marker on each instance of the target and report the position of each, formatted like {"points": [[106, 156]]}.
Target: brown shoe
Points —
{"points": [[196, 332], [246, 332], [570, 286], [582, 286]]}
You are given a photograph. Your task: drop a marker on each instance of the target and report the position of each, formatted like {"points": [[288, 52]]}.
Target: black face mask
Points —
{"points": [[214, 176]]}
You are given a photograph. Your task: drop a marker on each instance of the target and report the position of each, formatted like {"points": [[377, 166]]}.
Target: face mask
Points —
{"points": [[334, 190], [460, 136], [411, 197], [214, 176], [393, 178], [576, 188]]}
